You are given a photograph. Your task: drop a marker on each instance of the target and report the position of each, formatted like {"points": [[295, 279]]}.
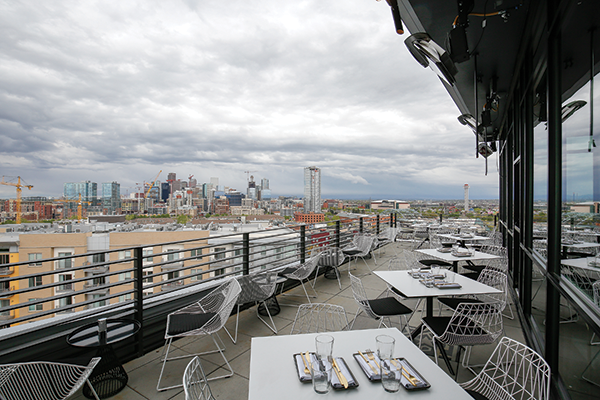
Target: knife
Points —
{"points": [[307, 355], [408, 377], [367, 361], [339, 374]]}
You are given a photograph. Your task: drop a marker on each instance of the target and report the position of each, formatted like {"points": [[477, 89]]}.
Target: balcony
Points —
{"points": [[172, 265], [6, 291], [98, 287], [6, 271], [66, 287], [6, 315]]}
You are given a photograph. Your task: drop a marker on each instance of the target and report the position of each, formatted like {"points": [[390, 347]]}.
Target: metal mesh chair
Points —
{"points": [[420, 236], [44, 380], [302, 271], [362, 245], [318, 317], [204, 317], [496, 279], [256, 288], [513, 372], [331, 258], [386, 237], [195, 385], [471, 324], [378, 309]]}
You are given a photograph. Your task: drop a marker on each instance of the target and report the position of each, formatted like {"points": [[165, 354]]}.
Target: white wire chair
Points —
{"points": [[386, 237], [319, 317], [420, 236], [596, 297], [490, 277], [256, 288], [513, 372], [204, 317], [361, 246], [301, 272], [378, 309], [43, 380], [332, 258], [471, 324], [195, 385]]}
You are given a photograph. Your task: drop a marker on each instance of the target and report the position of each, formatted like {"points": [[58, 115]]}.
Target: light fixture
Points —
{"points": [[571, 108], [429, 54], [396, 15], [485, 150]]}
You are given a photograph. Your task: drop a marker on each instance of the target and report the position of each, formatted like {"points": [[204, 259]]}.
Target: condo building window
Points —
{"points": [[196, 253], [4, 258], [36, 307], [145, 273], [195, 271], [98, 258], [35, 281], [124, 276], [68, 263], [4, 303], [147, 253], [124, 254], [34, 257]]}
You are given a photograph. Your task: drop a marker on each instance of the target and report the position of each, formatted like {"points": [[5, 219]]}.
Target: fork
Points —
{"points": [[369, 353]]}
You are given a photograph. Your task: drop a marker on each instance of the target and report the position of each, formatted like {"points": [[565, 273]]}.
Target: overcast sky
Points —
{"points": [[119, 90]]}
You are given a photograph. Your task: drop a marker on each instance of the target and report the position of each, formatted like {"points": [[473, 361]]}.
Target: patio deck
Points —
{"points": [[143, 372]]}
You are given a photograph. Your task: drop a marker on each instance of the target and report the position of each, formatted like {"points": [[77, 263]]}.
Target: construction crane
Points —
{"points": [[79, 205], [248, 175], [19, 187], [151, 186]]}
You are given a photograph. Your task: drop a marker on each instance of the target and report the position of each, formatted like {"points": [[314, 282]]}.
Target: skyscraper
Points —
{"points": [[87, 189], [312, 189], [111, 197]]}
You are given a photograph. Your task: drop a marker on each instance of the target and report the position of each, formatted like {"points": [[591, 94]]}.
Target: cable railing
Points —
{"points": [[130, 277]]}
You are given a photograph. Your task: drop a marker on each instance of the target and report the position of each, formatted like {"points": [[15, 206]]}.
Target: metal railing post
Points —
{"points": [[337, 234], [377, 224], [138, 297], [360, 227], [246, 244], [303, 243]]}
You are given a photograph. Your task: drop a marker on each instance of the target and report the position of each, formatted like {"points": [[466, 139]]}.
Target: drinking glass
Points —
{"points": [[324, 346], [320, 372], [390, 376]]}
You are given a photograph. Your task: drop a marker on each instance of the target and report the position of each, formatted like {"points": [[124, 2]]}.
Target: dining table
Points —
{"points": [[274, 373], [463, 239], [473, 255]]}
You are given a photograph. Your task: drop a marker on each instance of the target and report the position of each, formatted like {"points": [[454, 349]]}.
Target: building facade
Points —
{"points": [[312, 189]]}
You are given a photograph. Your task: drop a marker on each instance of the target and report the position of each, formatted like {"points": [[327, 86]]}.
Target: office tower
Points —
{"points": [[88, 191], [165, 191], [111, 197], [312, 189], [466, 197], [214, 181], [264, 183], [252, 188]]}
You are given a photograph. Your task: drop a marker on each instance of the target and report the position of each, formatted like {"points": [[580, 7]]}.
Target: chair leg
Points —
{"points": [[237, 318], [588, 367], [358, 311], [165, 353], [224, 358], [272, 326], [92, 389]]}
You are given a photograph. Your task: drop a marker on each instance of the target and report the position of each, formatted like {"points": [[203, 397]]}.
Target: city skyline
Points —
{"points": [[118, 91]]}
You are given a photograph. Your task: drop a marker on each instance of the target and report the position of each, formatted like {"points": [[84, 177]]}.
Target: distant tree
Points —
{"points": [[183, 219]]}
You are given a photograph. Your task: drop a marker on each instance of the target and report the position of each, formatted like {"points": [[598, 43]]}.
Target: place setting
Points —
{"points": [[434, 277]]}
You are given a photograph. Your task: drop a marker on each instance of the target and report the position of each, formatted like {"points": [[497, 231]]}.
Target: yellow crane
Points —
{"points": [[151, 186], [79, 205], [19, 187]]}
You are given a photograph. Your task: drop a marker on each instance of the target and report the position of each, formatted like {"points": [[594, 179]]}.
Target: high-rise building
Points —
{"points": [[312, 189], [264, 184], [466, 187], [111, 197], [88, 191]]}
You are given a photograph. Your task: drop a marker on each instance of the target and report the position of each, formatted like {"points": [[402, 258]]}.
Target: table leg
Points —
{"points": [[428, 312]]}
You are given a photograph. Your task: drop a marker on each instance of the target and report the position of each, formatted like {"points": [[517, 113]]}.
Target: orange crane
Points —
{"points": [[79, 205], [19, 187]]}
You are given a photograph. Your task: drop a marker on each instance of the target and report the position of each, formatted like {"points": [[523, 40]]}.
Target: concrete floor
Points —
{"points": [[143, 372]]}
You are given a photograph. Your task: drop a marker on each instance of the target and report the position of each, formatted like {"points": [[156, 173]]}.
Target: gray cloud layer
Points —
{"points": [[118, 90]]}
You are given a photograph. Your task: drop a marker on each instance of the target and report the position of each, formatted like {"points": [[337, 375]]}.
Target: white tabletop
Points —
{"points": [[477, 255], [459, 238], [410, 287], [273, 373], [580, 263]]}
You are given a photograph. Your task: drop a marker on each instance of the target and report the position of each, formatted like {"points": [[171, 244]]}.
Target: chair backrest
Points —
{"points": [[596, 289], [582, 277], [358, 291], [397, 263], [318, 317], [474, 323], [43, 380], [195, 385], [497, 280], [305, 269], [257, 286], [332, 257], [365, 244], [217, 303], [513, 371]]}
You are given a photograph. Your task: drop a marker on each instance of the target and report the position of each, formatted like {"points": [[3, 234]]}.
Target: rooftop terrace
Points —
{"points": [[143, 372]]}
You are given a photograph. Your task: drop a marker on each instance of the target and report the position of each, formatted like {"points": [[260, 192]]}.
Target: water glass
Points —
{"points": [[320, 373], [324, 346], [390, 376]]}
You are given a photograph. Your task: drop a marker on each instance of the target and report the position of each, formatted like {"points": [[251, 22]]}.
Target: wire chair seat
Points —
{"points": [[362, 246], [43, 380], [332, 258]]}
